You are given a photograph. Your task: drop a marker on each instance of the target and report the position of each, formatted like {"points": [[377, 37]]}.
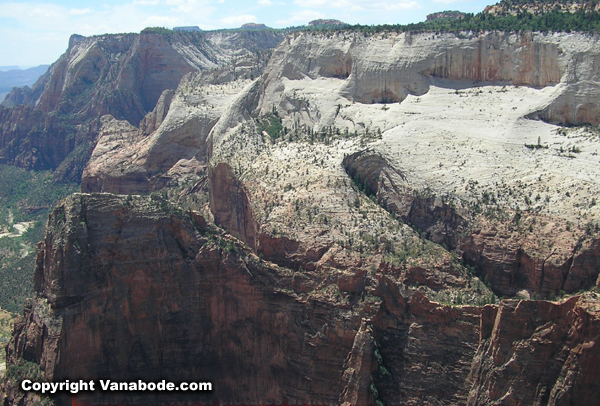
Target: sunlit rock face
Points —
{"points": [[362, 199]]}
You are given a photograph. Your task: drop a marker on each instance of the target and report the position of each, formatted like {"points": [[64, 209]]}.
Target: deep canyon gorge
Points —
{"points": [[399, 218]]}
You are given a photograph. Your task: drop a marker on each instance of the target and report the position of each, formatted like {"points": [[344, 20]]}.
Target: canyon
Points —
{"points": [[387, 219], [54, 124]]}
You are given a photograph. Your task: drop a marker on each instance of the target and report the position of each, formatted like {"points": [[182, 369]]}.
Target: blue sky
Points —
{"points": [[35, 33]]}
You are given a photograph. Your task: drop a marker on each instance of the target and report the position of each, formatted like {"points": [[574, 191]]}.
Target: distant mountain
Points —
{"points": [[254, 26], [448, 14], [327, 22], [15, 77], [188, 28]]}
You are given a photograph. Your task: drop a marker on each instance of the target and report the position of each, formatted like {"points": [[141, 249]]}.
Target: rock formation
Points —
{"points": [[170, 143], [512, 254], [344, 219], [112, 269], [119, 75], [537, 353]]}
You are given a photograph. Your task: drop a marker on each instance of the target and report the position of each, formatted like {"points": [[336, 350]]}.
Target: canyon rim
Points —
{"points": [[359, 218]]}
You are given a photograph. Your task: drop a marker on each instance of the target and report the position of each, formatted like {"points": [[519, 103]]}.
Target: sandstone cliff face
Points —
{"points": [[470, 196], [387, 68], [170, 145], [537, 353], [119, 75], [127, 290], [543, 261], [382, 69]]}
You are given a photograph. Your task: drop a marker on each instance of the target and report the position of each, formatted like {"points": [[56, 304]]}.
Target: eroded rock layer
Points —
{"points": [[120, 75], [127, 290], [360, 183], [538, 353], [438, 129]]}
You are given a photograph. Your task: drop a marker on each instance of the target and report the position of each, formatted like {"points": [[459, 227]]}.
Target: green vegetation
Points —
{"points": [[26, 198], [271, 124], [16, 373], [363, 187], [554, 21], [156, 30], [22, 370], [6, 329], [537, 146]]}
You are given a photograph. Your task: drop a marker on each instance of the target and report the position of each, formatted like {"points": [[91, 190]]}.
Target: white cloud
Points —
{"points": [[36, 16], [238, 20], [221, 1], [146, 2], [184, 6], [311, 3], [302, 17], [80, 11], [413, 5], [264, 2], [360, 5], [44, 11]]}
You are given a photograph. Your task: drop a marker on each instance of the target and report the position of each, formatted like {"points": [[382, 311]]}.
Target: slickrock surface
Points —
{"points": [[354, 209], [459, 157]]}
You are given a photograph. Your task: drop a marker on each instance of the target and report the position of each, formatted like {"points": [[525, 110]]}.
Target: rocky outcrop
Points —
{"points": [[231, 208], [169, 147], [180, 308], [154, 119], [512, 261], [446, 15], [119, 75], [574, 106], [18, 96], [358, 369], [128, 290], [537, 353], [441, 223]]}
